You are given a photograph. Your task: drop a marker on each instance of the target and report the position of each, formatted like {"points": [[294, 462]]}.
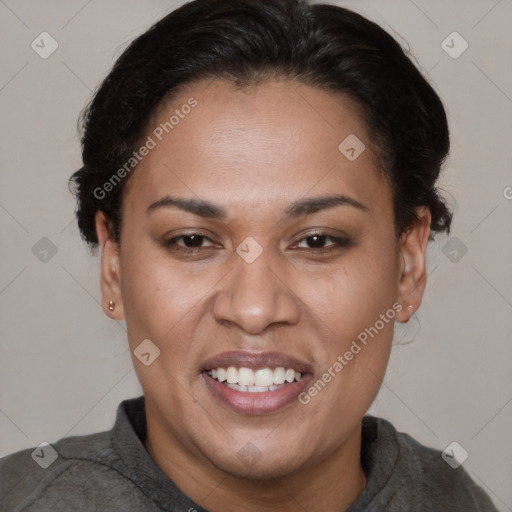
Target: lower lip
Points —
{"points": [[256, 403]]}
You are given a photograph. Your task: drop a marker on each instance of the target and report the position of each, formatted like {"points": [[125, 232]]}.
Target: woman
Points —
{"points": [[260, 178]]}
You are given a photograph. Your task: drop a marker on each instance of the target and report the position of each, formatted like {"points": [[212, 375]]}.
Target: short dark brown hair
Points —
{"points": [[246, 41]]}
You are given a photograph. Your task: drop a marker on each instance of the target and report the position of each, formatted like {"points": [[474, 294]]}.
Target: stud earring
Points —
{"points": [[111, 305], [409, 307]]}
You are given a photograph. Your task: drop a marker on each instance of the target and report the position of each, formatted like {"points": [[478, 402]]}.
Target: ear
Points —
{"points": [[413, 273], [110, 268]]}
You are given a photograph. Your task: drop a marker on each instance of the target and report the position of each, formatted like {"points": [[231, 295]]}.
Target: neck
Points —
{"points": [[333, 483]]}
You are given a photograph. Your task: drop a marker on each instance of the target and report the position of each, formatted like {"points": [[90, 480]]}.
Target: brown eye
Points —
{"points": [[192, 241], [317, 241]]}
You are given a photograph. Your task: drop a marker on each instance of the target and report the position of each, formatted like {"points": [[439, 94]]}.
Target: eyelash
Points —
{"points": [[338, 243]]}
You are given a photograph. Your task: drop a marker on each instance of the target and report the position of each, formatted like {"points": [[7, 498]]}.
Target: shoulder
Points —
{"points": [[420, 475], [62, 476]]}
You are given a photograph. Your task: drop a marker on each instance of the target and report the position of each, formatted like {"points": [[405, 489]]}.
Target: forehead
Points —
{"points": [[260, 144]]}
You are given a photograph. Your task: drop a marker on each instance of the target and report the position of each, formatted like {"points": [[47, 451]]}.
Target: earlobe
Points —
{"points": [[110, 280], [412, 268]]}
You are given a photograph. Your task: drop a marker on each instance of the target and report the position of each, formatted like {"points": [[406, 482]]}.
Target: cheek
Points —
{"points": [[356, 303], [352, 297], [159, 305], [156, 296]]}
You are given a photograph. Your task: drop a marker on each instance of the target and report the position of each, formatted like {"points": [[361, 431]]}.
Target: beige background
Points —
{"points": [[65, 366]]}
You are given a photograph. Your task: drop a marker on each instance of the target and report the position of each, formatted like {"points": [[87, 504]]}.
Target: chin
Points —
{"points": [[262, 470], [252, 464]]}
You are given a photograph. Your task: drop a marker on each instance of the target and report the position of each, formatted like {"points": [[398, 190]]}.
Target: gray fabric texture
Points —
{"points": [[112, 471]]}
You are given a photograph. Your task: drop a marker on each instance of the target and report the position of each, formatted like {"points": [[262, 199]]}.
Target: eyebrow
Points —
{"points": [[301, 207]]}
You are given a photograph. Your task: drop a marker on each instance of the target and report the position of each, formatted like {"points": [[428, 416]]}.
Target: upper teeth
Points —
{"points": [[263, 377]]}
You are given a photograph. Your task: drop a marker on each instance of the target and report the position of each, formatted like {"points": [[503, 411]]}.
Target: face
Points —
{"points": [[255, 252]]}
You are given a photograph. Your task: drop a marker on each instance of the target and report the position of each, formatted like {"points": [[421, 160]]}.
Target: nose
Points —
{"points": [[256, 295]]}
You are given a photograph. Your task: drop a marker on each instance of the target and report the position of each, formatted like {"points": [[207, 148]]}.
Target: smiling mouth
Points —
{"points": [[255, 382], [258, 380]]}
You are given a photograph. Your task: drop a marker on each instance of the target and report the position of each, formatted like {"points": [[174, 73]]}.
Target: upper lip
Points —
{"points": [[255, 360]]}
